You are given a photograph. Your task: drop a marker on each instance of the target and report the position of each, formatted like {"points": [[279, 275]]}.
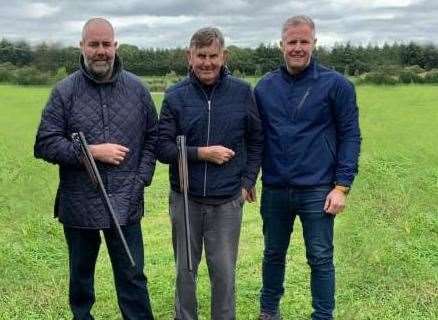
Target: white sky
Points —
{"points": [[168, 23]]}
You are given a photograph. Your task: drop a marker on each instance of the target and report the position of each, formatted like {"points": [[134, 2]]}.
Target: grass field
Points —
{"points": [[386, 241]]}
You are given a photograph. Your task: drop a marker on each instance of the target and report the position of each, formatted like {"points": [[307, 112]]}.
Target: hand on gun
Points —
{"points": [[215, 154], [108, 152]]}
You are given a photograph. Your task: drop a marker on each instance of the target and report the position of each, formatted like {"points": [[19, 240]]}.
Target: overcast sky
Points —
{"points": [[170, 23]]}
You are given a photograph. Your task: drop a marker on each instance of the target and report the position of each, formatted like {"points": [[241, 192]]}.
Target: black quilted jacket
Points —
{"points": [[118, 111]]}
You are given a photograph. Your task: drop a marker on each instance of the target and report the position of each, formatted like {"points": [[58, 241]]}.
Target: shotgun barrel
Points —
{"points": [[95, 177], [184, 186]]}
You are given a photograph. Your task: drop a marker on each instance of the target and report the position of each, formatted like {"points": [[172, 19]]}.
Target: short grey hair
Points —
{"points": [[95, 21], [205, 37], [297, 20]]}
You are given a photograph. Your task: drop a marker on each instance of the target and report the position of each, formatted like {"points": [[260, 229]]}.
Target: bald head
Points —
{"points": [[98, 47], [99, 23]]}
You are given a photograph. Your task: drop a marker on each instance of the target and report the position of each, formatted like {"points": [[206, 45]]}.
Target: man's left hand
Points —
{"points": [[335, 202]]}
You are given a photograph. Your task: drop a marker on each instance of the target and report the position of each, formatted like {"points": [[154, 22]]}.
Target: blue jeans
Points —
{"points": [[132, 293], [279, 207]]}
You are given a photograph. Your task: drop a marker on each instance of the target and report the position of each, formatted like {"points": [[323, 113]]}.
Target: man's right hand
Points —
{"points": [[215, 154], [108, 152]]}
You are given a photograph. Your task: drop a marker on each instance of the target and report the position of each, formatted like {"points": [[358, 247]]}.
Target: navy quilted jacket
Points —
{"points": [[229, 118], [118, 111]]}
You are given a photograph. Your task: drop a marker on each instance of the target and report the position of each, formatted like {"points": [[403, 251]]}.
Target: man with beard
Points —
{"points": [[118, 118], [312, 142], [217, 114]]}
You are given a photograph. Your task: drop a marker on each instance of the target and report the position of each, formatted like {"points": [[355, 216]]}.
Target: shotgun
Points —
{"points": [[184, 187], [96, 179]]}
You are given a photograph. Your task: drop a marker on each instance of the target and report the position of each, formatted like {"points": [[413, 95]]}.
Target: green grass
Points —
{"points": [[386, 241]]}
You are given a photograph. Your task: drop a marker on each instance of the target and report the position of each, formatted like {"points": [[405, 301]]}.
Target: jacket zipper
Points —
{"points": [[208, 134], [303, 99]]}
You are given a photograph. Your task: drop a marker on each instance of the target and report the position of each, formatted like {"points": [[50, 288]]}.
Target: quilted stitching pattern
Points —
{"points": [[118, 112], [234, 123]]}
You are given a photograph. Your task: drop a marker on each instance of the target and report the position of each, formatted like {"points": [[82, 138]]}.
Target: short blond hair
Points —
{"points": [[295, 21]]}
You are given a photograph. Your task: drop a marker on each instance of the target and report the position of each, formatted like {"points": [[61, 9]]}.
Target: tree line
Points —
{"points": [[346, 58]]}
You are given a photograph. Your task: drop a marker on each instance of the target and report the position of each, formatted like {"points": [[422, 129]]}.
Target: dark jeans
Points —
{"points": [[132, 293], [279, 207]]}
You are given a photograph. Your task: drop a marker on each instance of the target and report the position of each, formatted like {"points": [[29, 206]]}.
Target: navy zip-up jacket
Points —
{"points": [[229, 118], [118, 111], [311, 128]]}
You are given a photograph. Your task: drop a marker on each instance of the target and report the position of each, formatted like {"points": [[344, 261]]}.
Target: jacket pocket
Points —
{"points": [[301, 103], [127, 188]]}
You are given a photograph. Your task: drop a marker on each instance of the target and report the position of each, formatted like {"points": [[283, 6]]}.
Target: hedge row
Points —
{"points": [[29, 75], [401, 76], [388, 75]]}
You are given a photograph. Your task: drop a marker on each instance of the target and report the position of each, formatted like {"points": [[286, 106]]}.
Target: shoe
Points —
{"points": [[267, 316]]}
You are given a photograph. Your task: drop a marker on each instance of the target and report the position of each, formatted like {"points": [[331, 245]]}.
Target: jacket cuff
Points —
{"points": [[77, 153], [344, 182], [144, 179], [192, 153], [247, 183]]}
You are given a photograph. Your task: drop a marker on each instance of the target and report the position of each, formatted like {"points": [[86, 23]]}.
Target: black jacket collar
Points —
{"points": [[117, 69]]}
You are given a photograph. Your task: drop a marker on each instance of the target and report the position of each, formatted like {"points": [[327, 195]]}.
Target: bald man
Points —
{"points": [[117, 115]]}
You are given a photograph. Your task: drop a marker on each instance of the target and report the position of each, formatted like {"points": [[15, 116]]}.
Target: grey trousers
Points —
{"points": [[217, 228]]}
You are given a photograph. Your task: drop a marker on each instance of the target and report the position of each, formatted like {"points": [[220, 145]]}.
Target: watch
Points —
{"points": [[344, 189]]}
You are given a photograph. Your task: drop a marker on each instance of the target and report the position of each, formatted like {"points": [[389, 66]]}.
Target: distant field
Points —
{"points": [[386, 241], [159, 83]]}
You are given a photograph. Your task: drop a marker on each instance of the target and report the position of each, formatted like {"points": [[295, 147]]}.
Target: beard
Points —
{"points": [[101, 69]]}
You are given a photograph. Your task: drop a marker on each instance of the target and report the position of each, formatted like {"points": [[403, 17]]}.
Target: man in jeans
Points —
{"points": [[218, 115], [311, 150]]}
